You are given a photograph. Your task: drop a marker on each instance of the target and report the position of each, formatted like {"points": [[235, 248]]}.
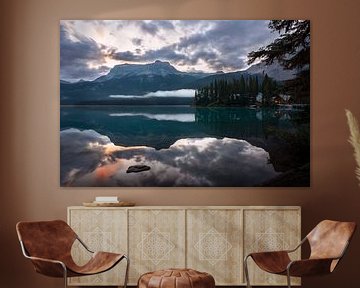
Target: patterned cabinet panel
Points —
{"points": [[101, 230], [214, 244], [267, 230], [156, 240]]}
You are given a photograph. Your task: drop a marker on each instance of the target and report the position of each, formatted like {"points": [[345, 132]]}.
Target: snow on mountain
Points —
{"points": [[273, 70], [157, 68]]}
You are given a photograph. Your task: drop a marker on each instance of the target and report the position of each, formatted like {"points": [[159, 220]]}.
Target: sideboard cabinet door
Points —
{"points": [[214, 244], [101, 230], [156, 240], [270, 230]]}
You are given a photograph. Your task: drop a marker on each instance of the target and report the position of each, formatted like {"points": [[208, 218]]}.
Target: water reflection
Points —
{"points": [[187, 162], [281, 133], [159, 126]]}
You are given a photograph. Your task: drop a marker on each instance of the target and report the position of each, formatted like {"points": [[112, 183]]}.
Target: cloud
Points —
{"points": [[125, 56], [153, 27], [164, 24], [208, 45], [149, 27], [137, 41], [81, 153], [222, 45], [90, 159], [165, 53], [80, 57], [225, 46]]}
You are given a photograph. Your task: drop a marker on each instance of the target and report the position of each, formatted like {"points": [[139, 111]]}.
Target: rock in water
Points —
{"points": [[137, 168]]}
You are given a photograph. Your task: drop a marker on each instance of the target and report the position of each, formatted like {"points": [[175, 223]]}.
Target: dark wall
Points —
{"points": [[29, 119]]}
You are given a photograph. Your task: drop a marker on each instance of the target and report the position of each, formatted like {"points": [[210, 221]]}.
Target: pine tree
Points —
{"points": [[242, 85], [266, 90], [256, 85], [216, 90], [292, 50], [236, 91]]}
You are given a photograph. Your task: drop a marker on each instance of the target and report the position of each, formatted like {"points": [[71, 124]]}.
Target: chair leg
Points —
{"points": [[246, 270], [65, 276], [126, 271], [288, 278]]}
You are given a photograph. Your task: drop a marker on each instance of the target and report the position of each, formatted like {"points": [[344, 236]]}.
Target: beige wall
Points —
{"points": [[30, 119]]}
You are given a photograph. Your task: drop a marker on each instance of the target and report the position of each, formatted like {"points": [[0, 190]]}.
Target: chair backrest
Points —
{"points": [[46, 239], [329, 239]]}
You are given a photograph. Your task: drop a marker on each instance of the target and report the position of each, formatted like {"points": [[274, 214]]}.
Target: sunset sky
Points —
{"points": [[90, 48]]}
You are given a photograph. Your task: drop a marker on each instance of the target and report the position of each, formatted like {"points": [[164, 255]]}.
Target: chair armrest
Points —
{"points": [[309, 267], [268, 253], [84, 245], [45, 260], [298, 246]]}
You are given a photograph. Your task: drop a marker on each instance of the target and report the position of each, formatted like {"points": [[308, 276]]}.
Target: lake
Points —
{"points": [[184, 146]]}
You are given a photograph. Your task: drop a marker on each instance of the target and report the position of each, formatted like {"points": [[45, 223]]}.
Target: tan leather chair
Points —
{"points": [[48, 245], [328, 242]]}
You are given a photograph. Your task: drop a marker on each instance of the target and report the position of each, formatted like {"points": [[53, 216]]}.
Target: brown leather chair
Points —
{"points": [[48, 245], [328, 242]]}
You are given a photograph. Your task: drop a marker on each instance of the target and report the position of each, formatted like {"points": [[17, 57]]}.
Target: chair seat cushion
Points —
{"points": [[176, 278], [99, 262]]}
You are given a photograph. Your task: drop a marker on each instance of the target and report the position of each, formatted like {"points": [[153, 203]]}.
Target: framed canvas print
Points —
{"points": [[206, 103]]}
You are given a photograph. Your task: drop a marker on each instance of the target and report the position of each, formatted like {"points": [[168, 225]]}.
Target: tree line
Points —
{"points": [[292, 50], [237, 92]]}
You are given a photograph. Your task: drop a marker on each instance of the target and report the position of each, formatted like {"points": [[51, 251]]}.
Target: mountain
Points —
{"points": [[140, 79], [273, 70], [128, 79], [205, 81], [158, 68]]}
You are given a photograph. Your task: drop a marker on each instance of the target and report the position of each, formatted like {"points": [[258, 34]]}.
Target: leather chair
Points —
{"points": [[328, 242], [48, 245]]}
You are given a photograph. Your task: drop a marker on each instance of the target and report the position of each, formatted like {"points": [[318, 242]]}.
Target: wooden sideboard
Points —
{"points": [[212, 239]]}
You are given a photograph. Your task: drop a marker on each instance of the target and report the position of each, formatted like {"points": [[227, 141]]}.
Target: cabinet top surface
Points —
{"points": [[192, 207]]}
